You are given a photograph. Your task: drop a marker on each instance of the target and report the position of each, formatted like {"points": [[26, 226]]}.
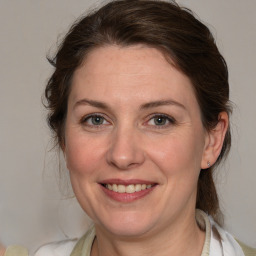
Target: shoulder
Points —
{"points": [[61, 248], [68, 247], [248, 251], [230, 244], [16, 250], [222, 240], [85, 243]]}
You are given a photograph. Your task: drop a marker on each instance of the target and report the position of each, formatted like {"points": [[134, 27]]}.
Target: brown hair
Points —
{"points": [[163, 25]]}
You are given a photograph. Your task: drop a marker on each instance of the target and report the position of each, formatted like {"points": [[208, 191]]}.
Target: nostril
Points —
{"points": [[123, 165]]}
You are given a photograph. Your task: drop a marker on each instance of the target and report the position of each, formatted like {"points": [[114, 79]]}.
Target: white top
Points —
{"points": [[61, 248], [218, 242]]}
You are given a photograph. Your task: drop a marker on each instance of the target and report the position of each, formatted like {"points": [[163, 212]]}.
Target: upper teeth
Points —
{"points": [[127, 189]]}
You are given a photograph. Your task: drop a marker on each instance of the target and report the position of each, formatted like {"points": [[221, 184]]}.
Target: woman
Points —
{"points": [[139, 105]]}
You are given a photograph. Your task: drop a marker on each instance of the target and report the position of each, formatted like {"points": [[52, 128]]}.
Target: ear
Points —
{"points": [[214, 141]]}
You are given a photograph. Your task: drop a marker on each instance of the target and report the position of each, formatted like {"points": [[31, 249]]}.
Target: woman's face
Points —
{"points": [[133, 124]]}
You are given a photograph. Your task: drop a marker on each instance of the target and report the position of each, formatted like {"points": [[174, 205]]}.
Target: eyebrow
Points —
{"points": [[153, 104], [93, 103], [160, 103]]}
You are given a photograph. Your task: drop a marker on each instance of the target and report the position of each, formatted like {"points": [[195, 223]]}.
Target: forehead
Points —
{"points": [[136, 72], [133, 60]]}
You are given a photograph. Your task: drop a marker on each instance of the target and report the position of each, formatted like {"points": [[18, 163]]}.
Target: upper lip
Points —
{"points": [[126, 182]]}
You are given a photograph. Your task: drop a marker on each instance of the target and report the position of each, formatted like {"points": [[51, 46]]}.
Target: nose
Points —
{"points": [[125, 149]]}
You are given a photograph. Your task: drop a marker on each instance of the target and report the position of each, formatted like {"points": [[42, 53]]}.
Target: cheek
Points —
{"points": [[82, 154], [178, 155]]}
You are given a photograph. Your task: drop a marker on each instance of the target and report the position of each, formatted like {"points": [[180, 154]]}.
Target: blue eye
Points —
{"points": [[94, 120], [161, 120], [97, 120]]}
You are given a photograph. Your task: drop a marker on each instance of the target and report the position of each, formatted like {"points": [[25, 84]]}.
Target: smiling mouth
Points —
{"points": [[131, 188]]}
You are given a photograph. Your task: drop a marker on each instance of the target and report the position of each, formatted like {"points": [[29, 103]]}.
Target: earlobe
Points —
{"points": [[214, 141]]}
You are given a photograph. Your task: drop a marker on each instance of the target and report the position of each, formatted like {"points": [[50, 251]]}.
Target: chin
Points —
{"points": [[126, 225]]}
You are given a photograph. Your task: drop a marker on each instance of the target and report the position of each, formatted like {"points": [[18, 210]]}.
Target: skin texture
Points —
{"points": [[130, 144]]}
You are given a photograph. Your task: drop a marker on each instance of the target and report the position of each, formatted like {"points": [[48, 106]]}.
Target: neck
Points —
{"points": [[184, 238]]}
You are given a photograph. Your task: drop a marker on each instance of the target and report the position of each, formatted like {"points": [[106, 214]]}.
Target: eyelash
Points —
{"points": [[167, 118]]}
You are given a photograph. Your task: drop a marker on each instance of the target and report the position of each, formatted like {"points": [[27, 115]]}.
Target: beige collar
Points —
{"points": [[205, 224]]}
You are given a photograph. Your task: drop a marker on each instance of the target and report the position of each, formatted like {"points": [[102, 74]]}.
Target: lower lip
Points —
{"points": [[127, 197]]}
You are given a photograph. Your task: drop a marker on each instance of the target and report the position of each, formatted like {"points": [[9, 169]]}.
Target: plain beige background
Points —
{"points": [[31, 211]]}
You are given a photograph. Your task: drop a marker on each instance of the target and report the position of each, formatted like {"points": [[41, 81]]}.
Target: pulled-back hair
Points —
{"points": [[185, 42]]}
